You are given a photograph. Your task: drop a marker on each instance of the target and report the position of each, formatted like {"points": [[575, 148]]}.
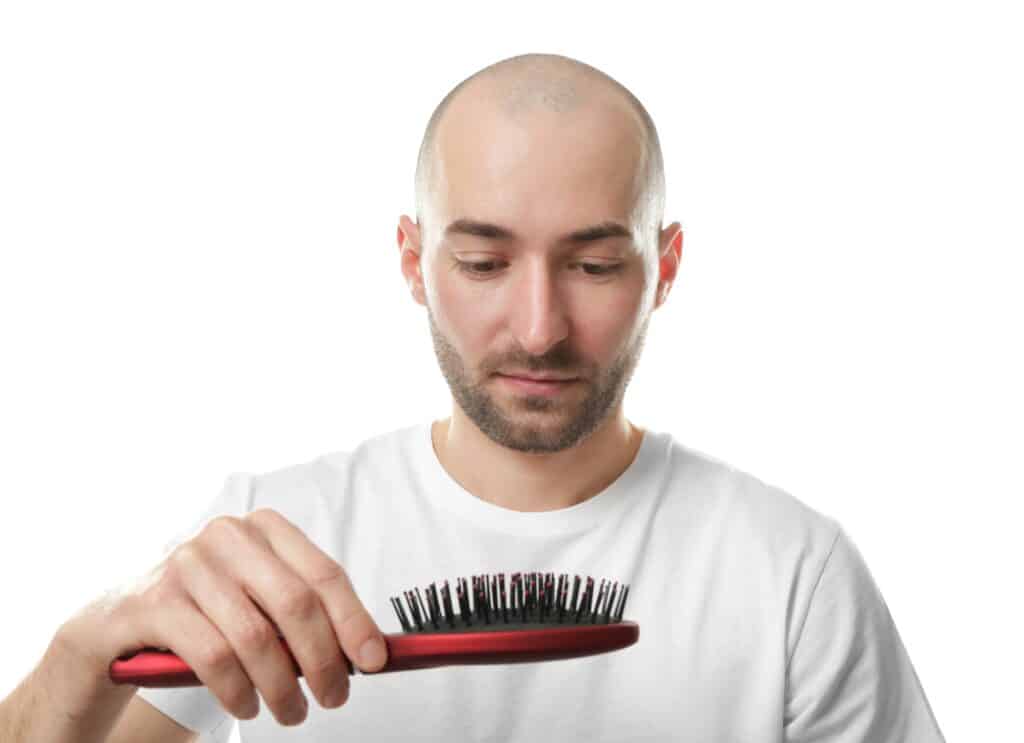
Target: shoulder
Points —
{"points": [[744, 509], [327, 476]]}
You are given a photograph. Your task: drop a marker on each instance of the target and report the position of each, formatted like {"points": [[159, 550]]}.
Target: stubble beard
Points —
{"points": [[533, 423]]}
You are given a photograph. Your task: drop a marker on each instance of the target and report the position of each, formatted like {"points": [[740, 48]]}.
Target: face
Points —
{"points": [[532, 302], [531, 420]]}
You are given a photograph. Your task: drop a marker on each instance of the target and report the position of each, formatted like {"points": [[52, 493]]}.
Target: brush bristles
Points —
{"points": [[533, 599]]}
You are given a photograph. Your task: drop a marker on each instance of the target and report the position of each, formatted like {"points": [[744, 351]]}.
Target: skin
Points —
{"points": [[531, 306]]}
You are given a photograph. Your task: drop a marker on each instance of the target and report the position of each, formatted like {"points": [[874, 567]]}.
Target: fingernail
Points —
{"points": [[372, 653]]}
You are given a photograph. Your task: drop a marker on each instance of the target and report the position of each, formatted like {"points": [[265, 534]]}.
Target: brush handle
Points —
{"points": [[153, 667]]}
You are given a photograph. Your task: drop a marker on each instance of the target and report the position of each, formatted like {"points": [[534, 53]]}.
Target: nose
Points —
{"points": [[538, 310]]}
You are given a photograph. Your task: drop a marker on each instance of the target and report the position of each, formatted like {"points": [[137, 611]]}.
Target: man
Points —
{"points": [[539, 257]]}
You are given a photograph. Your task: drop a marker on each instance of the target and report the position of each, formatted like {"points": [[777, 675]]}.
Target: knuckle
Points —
{"points": [[217, 656], [223, 522], [222, 527], [263, 516], [298, 602], [169, 582], [328, 574], [255, 633], [356, 624], [184, 556]]}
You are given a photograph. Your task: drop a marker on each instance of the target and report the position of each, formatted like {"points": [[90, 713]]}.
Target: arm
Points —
{"points": [[52, 706], [59, 703]]}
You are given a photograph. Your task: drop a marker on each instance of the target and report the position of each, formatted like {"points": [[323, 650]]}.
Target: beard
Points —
{"points": [[535, 423]]}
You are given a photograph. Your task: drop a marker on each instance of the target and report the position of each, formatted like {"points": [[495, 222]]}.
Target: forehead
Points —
{"points": [[541, 169]]}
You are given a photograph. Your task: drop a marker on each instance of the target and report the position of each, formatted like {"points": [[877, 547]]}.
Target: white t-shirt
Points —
{"points": [[759, 620]]}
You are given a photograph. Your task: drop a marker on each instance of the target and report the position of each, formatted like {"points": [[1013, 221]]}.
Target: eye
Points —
{"points": [[477, 267], [483, 268], [600, 269]]}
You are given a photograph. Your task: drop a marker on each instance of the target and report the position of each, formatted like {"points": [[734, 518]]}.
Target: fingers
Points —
{"points": [[277, 573], [163, 615], [207, 652], [223, 602], [247, 638], [352, 624]]}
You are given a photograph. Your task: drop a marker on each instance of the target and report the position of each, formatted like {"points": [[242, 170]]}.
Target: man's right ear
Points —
{"points": [[409, 247]]}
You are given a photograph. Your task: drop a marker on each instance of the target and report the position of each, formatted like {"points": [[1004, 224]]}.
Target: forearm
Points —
{"points": [[59, 702]]}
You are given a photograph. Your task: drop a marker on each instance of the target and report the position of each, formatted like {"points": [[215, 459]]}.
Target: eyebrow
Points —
{"points": [[608, 228]]}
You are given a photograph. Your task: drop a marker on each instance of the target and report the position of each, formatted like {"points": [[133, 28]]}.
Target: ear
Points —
{"points": [[670, 251], [409, 247]]}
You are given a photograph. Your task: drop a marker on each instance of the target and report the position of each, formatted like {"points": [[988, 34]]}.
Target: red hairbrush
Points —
{"points": [[536, 621]]}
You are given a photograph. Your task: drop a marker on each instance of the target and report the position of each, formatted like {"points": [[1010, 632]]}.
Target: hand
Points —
{"points": [[220, 600]]}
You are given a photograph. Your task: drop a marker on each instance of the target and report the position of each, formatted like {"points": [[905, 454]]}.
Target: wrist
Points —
{"points": [[75, 679], [62, 701], [78, 690]]}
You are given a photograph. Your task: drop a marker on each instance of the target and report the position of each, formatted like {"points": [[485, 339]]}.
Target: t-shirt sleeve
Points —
{"points": [[195, 707], [850, 679]]}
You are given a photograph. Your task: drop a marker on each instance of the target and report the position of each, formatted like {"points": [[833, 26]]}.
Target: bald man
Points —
{"points": [[539, 256]]}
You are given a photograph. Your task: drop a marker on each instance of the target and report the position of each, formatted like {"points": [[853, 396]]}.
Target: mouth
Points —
{"points": [[538, 377], [547, 386]]}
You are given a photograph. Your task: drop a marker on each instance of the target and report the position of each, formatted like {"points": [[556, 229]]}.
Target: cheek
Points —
{"points": [[603, 333], [463, 313], [607, 316]]}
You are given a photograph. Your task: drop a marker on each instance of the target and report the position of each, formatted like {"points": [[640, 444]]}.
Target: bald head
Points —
{"points": [[519, 87]]}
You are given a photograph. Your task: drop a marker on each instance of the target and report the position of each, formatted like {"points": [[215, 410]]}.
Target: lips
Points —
{"points": [[546, 388], [533, 378]]}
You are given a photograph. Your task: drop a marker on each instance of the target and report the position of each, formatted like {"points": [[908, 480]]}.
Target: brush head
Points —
{"points": [[532, 617], [532, 601]]}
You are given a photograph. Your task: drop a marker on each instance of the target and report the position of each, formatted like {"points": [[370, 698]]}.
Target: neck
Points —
{"points": [[522, 481]]}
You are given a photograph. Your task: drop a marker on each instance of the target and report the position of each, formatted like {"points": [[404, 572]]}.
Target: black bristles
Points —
{"points": [[532, 599], [435, 608], [414, 612], [600, 602], [609, 602], [446, 597], [482, 603], [575, 593], [422, 608], [463, 600], [622, 604], [401, 614], [504, 604]]}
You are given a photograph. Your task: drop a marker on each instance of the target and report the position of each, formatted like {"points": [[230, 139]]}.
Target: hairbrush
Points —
{"points": [[534, 621]]}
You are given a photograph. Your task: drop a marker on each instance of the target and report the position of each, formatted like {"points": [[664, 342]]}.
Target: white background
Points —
{"points": [[199, 275]]}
